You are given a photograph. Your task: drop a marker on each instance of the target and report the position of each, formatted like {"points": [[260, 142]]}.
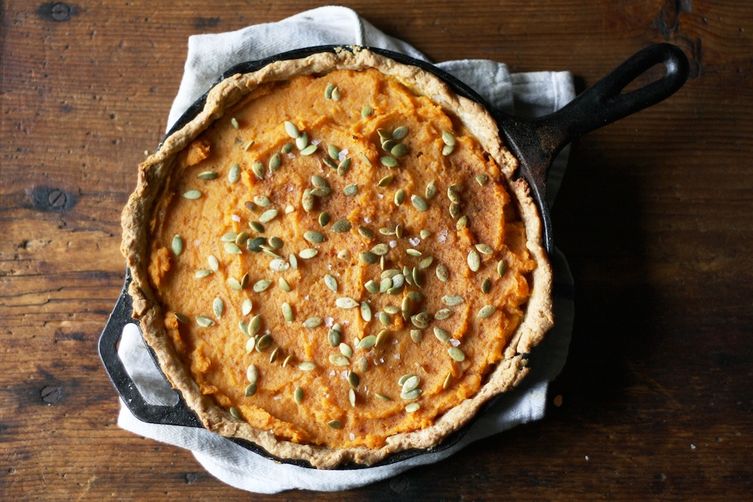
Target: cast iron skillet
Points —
{"points": [[534, 142]]}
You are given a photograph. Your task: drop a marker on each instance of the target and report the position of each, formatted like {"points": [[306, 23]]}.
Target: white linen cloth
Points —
{"points": [[523, 94]]}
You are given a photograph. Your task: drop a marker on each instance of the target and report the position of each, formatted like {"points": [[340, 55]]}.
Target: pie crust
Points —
{"points": [[153, 173]]}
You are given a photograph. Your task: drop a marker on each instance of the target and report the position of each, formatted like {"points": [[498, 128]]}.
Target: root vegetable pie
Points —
{"points": [[332, 260]]}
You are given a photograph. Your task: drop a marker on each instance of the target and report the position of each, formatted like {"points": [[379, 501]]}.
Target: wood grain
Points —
{"points": [[654, 215]]}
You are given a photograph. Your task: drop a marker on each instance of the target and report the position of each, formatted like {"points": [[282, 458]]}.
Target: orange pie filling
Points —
{"points": [[338, 260]]}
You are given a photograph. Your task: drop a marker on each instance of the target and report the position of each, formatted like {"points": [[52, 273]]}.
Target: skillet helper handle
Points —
{"points": [[604, 102], [179, 414]]}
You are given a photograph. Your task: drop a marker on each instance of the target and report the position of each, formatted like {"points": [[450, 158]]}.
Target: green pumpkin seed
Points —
{"points": [[313, 237], [307, 200], [250, 343], [442, 314], [388, 161], [319, 181], [431, 190], [275, 242], [278, 265], [344, 165], [273, 355], [399, 197], [287, 312], [293, 261], [256, 226], [455, 210], [264, 342], [412, 407], [234, 174], [275, 161], [400, 133], [367, 257], [391, 309], [335, 424], [338, 360], [482, 179], [366, 232], [425, 262], [258, 169], [286, 148], [365, 312], [245, 280], [286, 360], [486, 285], [291, 129], [298, 395], [254, 325], [233, 283], [268, 215], [383, 318], [485, 311], [330, 282], [204, 321], [501, 267], [328, 91], [246, 306], [386, 231], [235, 412], [366, 111], [447, 150], [335, 94], [248, 144], [411, 395], [409, 383], [474, 260], [419, 203], [346, 302], [371, 286], [302, 141], [345, 350], [218, 307], [447, 380], [234, 123], [250, 390], [191, 194], [341, 226], [177, 245], [333, 152], [262, 285], [442, 334], [309, 150], [367, 342], [382, 396], [333, 336], [182, 318], [214, 263], [306, 366], [324, 218], [386, 180], [312, 322], [461, 223], [416, 336], [252, 373], [353, 380], [232, 248], [381, 337], [399, 150], [399, 231], [484, 248], [456, 354], [207, 175], [380, 249], [389, 144], [420, 320], [241, 238], [448, 138], [350, 190], [452, 300], [308, 253]]}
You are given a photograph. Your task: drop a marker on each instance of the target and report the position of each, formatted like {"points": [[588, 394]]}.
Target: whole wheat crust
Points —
{"points": [[153, 173]]}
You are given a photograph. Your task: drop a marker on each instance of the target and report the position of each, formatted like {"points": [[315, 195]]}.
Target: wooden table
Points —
{"points": [[655, 216]]}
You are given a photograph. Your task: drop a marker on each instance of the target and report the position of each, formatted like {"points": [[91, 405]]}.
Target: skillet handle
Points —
{"points": [[179, 414]]}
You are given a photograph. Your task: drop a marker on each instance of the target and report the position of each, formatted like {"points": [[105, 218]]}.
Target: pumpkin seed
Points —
{"points": [[263, 342], [425, 262], [330, 282], [328, 91], [245, 280], [416, 336], [308, 253], [252, 373], [346, 302], [501, 267], [246, 306], [275, 161], [486, 285], [431, 190], [309, 150], [324, 218], [312, 322], [293, 261], [485, 311], [254, 325], [302, 141], [262, 285], [241, 238], [391, 309], [335, 94], [442, 314], [335, 424], [204, 321], [399, 197], [257, 227], [484, 248], [286, 148], [319, 181], [313, 237], [191, 194], [250, 345], [181, 318], [411, 395], [258, 169], [482, 179], [286, 360], [399, 150], [273, 355], [268, 215], [307, 200], [333, 336], [250, 390], [389, 144], [388, 161], [474, 260], [177, 245], [382, 396], [455, 210], [412, 407], [456, 354], [218, 307], [233, 283], [333, 152], [306, 366], [234, 123], [207, 175], [278, 265], [344, 165], [400, 133], [338, 360], [461, 223], [420, 320], [341, 226], [381, 337], [447, 150], [234, 412], [399, 231], [367, 342], [366, 232], [234, 174], [367, 257], [386, 180], [350, 190], [365, 312], [448, 138], [386, 231], [298, 395], [410, 383], [383, 318], [291, 129], [366, 111], [419, 203], [442, 334], [232, 248], [287, 312], [452, 300], [380, 249]]}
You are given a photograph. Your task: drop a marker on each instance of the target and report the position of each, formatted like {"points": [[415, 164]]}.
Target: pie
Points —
{"points": [[333, 261]]}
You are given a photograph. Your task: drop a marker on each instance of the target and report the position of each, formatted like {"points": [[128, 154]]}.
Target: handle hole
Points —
{"points": [[651, 75]]}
